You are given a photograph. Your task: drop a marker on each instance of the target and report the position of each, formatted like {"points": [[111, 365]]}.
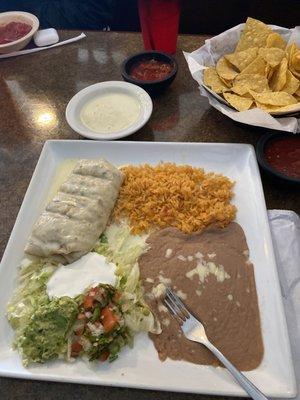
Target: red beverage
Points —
{"points": [[159, 22]]}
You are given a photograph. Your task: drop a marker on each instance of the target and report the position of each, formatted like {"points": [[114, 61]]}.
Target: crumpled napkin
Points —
{"points": [[225, 43], [285, 229]]}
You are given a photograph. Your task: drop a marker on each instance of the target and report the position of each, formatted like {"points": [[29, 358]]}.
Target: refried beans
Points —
{"points": [[210, 270]]}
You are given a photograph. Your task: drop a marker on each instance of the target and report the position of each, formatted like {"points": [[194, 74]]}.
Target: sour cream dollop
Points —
{"points": [[73, 279]]}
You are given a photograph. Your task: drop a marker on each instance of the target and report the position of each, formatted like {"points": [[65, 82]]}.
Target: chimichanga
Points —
{"points": [[73, 221]]}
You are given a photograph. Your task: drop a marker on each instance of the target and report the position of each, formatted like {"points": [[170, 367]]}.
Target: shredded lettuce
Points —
{"points": [[30, 293], [124, 249]]}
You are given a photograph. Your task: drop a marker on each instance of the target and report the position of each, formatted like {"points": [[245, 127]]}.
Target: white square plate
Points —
{"points": [[140, 367]]}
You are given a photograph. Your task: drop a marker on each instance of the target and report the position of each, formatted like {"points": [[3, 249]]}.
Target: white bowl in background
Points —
{"points": [[18, 16], [78, 101]]}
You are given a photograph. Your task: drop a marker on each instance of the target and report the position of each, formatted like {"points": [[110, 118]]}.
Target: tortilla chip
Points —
{"points": [[272, 55], [258, 66], [269, 71], [212, 80], [248, 96], [244, 82], [239, 103], [243, 58], [255, 34], [295, 61], [292, 83], [297, 92], [270, 109], [274, 98], [265, 107], [290, 50], [295, 73], [275, 40], [226, 82], [278, 79], [290, 108], [225, 69]]}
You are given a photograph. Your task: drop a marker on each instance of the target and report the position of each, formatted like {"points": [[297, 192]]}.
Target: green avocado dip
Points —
{"points": [[42, 325], [45, 336]]}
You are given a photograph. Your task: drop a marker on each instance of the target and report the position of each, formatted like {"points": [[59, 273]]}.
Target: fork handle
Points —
{"points": [[242, 380]]}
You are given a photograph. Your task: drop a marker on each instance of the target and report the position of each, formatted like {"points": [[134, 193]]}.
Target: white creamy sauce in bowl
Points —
{"points": [[110, 112]]}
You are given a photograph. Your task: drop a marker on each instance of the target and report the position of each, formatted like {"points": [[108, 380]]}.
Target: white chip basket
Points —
{"points": [[225, 43]]}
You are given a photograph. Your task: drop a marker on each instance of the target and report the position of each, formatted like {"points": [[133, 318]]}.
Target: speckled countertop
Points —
{"points": [[34, 92]]}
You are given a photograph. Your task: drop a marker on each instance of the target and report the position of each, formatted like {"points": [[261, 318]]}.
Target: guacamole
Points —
{"points": [[45, 336]]}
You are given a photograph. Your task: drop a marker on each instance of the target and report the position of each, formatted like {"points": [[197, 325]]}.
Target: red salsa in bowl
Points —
{"points": [[283, 155], [278, 155], [150, 70], [153, 71], [13, 31]]}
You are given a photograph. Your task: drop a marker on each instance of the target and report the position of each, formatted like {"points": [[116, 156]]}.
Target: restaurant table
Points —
{"points": [[34, 92]]}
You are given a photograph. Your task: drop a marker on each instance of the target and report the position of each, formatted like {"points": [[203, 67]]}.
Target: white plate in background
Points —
{"points": [[78, 101], [140, 367]]}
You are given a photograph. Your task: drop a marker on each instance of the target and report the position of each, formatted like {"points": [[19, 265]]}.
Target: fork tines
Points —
{"points": [[176, 306]]}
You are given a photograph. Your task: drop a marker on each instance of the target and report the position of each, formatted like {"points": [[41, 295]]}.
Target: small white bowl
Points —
{"points": [[77, 102], [18, 16]]}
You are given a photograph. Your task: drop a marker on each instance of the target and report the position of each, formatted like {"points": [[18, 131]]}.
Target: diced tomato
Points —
{"points": [[88, 302], [76, 349], [104, 356], [79, 331], [109, 319]]}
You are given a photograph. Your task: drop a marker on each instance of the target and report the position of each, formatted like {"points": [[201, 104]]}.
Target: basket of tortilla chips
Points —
{"points": [[249, 67]]}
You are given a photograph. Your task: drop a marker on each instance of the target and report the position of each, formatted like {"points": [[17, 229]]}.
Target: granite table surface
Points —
{"points": [[34, 92]]}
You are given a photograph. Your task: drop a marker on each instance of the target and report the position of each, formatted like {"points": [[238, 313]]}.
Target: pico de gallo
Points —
{"points": [[150, 70], [99, 331]]}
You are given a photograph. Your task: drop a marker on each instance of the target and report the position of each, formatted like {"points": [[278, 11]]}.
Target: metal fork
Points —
{"points": [[194, 331]]}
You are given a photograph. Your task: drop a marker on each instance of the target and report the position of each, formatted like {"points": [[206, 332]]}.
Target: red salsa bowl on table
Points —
{"points": [[278, 155], [154, 71], [16, 30]]}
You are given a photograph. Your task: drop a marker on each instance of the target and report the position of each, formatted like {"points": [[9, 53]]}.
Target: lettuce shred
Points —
{"points": [[30, 293], [124, 249]]}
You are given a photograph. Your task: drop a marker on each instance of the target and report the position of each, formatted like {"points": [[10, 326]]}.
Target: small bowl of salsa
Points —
{"points": [[154, 71], [278, 155], [16, 30]]}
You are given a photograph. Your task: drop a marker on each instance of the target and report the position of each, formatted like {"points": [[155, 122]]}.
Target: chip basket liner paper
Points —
{"points": [[225, 43]]}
